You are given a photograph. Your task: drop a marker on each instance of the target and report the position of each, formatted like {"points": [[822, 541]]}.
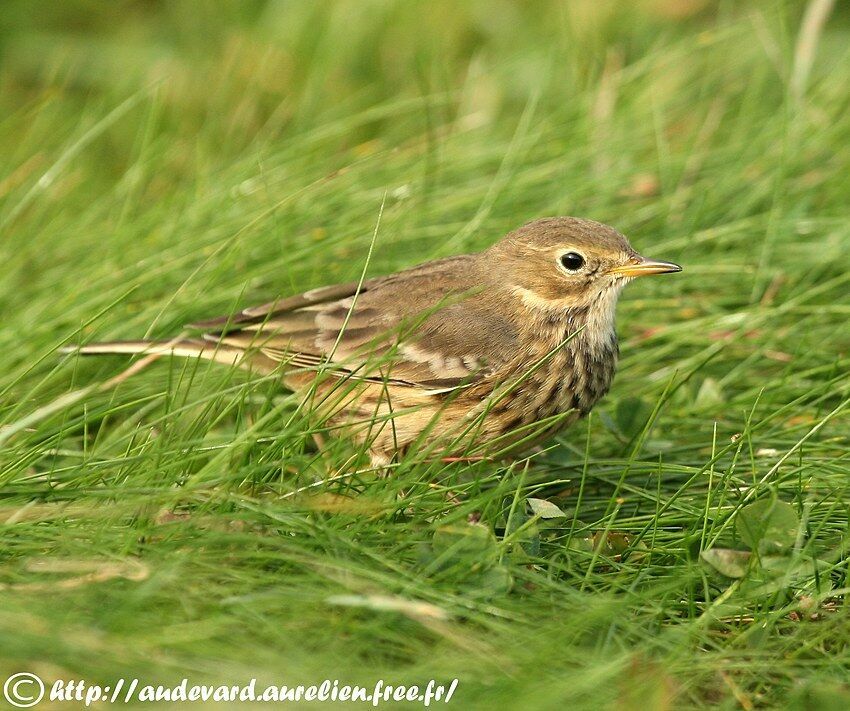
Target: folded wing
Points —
{"points": [[429, 326]]}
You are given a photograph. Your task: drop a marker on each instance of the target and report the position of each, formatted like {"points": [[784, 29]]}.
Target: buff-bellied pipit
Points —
{"points": [[478, 354]]}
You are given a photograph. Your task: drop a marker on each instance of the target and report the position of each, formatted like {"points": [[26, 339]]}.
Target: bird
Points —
{"points": [[475, 356]]}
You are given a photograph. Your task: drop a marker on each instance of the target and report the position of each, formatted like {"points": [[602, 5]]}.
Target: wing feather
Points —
{"points": [[429, 326]]}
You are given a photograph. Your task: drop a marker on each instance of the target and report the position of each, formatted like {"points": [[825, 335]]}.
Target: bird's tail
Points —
{"points": [[180, 347]]}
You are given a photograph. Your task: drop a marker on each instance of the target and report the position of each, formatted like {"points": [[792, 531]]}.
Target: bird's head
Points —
{"points": [[562, 263]]}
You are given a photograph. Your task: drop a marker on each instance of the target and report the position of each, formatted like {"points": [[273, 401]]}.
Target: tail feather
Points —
{"points": [[182, 348]]}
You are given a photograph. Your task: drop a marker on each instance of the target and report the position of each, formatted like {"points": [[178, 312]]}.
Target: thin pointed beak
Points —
{"points": [[641, 266]]}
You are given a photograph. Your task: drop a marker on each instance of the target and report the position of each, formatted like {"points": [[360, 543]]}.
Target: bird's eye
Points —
{"points": [[572, 261]]}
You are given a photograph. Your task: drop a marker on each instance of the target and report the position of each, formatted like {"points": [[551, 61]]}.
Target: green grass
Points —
{"points": [[165, 163]]}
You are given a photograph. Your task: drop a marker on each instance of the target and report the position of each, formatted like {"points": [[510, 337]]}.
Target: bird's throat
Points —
{"points": [[592, 327]]}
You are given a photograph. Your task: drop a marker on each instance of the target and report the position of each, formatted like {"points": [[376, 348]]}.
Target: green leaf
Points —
{"points": [[612, 543], [631, 416], [473, 540], [768, 526], [797, 571], [730, 563], [545, 509], [491, 582], [458, 550], [515, 517], [524, 535], [466, 556]]}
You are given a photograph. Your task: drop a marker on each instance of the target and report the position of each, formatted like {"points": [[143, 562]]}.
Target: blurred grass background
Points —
{"points": [[163, 162]]}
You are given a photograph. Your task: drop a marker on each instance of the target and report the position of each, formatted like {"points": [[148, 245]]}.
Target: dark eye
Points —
{"points": [[572, 261]]}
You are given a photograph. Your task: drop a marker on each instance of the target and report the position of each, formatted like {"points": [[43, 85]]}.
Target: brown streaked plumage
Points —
{"points": [[475, 354]]}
